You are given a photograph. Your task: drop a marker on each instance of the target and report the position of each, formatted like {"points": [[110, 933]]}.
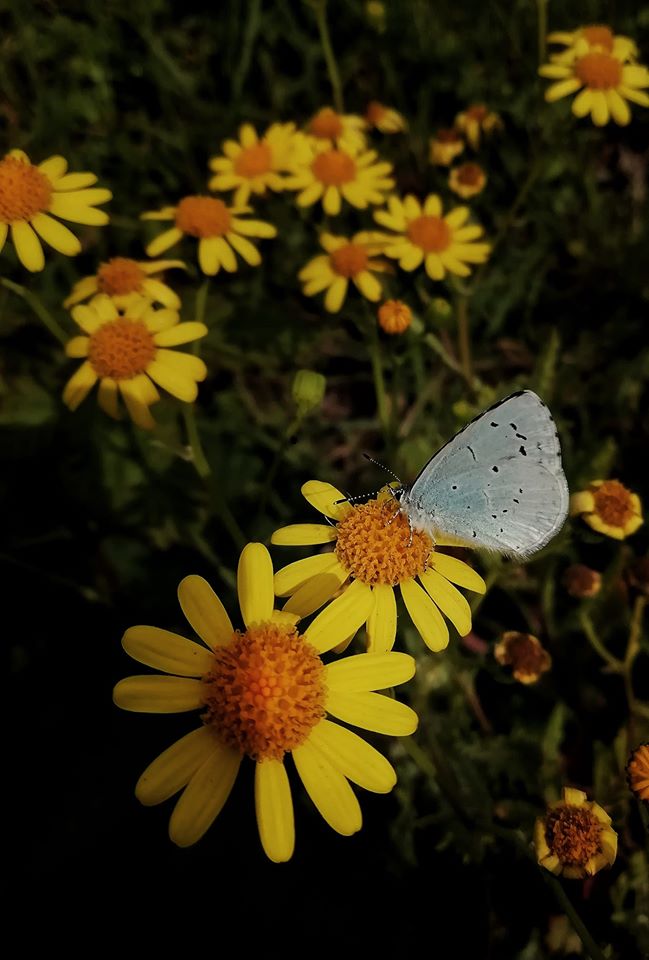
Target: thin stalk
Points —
{"points": [[320, 9], [464, 339], [379, 382], [39, 309], [591, 635], [578, 924], [542, 27], [198, 457], [289, 433]]}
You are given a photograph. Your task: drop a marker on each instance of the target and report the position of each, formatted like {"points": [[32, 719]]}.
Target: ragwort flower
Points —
{"points": [[346, 259], [575, 838], [608, 507], [385, 119], [32, 196], [377, 551], [264, 692], [445, 146], [126, 350], [337, 173], [476, 120], [467, 180], [599, 39], [329, 127], [394, 316], [637, 772], [524, 654], [122, 278]]}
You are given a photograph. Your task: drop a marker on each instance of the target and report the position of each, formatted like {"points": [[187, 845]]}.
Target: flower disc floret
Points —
{"points": [[572, 834], [24, 190], [432, 234], [599, 71], [349, 260], [121, 349], [254, 161], [334, 167], [377, 546], [120, 276], [203, 217], [326, 124]]}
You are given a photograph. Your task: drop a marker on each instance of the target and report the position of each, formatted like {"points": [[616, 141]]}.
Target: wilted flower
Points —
{"points": [[575, 838], [581, 581], [385, 119], [637, 772], [467, 180], [476, 120], [608, 507], [524, 654], [445, 146]]}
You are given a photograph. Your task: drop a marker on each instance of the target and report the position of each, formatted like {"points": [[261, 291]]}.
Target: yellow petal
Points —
{"points": [[382, 622], [180, 333], [329, 789], [77, 347], [373, 711], [353, 757], [204, 796], [292, 577], [425, 615], [53, 168], [54, 233], [449, 600], [167, 651], [317, 591], [457, 572], [149, 694], [28, 246], [323, 497], [574, 797], [341, 618], [255, 584], [175, 767], [274, 808], [303, 534], [136, 404], [204, 611], [187, 366], [76, 181], [87, 318], [175, 384], [369, 671], [107, 397], [164, 241], [79, 385]]}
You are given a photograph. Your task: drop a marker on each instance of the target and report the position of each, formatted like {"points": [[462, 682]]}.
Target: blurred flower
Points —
{"points": [[385, 119], [328, 128], [608, 507], [394, 316], [264, 692], [375, 13], [220, 231], [580, 581], [126, 351], [599, 39], [440, 309], [341, 172], [31, 196], [561, 936], [346, 259], [574, 837], [254, 165], [476, 120], [524, 654], [424, 235], [377, 550], [308, 390], [637, 772], [445, 146], [121, 278], [467, 180], [606, 80]]}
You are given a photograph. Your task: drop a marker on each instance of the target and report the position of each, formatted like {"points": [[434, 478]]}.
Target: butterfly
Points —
{"points": [[497, 484]]}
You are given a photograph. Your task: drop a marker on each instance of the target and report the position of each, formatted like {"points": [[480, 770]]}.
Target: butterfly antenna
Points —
{"points": [[382, 466], [363, 496]]}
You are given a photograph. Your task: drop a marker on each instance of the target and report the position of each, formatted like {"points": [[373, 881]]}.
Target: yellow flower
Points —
{"points": [[346, 259], [608, 507], [424, 235], [599, 38], [255, 165], [524, 654], [264, 692], [394, 316], [476, 120], [385, 119], [31, 196], [375, 548], [122, 278], [575, 838], [220, 231], [341, 172], [637, 772], [467, 180], [445, 146], [329, 128], [604, 80], [126, 350]]}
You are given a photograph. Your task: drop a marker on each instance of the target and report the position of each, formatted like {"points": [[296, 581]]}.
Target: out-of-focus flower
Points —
{"points": [[308, 390], [220, 230], [637, 772], [467, 180], [341, 173], [575, 838], [445, 146], [385, 119], [121, 278], [264, 692], [561, 936], [345, 259], [476, 120], [599, 38], [394, 316], [32, 196], [608, 507], [581, 581], [328, 128], [524, 654]]}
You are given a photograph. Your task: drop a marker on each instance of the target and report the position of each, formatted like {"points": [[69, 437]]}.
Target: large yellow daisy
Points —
{"points": [[122, 278], [264, 693], [329, 127], [32, 196], [423, 234], [334, 173], [377, 551], [221, 231], [126, 350], [345, 259]]}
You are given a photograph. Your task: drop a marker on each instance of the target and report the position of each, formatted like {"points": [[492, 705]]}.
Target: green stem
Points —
{"points": [[578, 924], [198, 457], [587, 626], [320, 9], [542, 27], [379, 382], [464, 339], [253, 23], [290, 432], [39, 309]]}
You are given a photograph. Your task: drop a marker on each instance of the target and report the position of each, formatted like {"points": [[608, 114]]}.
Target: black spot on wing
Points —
{"points": [[493, 424], [472, 454], [495, 469], [522, 451]]}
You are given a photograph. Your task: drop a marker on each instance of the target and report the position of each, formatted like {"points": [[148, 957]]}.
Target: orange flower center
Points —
{"points": [[349, 260], [469, 174], [477, 112], [376, 545], [121, 349], [599, 36], [599, 71], [265, 691], [255, 160], [203, 217], [394, 316], [613, 503], [334, 167], [375, 112], [638, 771], [24, 190], [432, 234], [524, 654], [120, 275], [446, 135], [573, 834], [326, 124]]}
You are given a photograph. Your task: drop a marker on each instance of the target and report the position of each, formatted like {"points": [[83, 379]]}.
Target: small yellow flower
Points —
{"points": [[476, 120], [608, 507], [126, 350], [637, 772], [445, 146], [121, 278], [377, 551], [220, 230], [422, 234], [346, 259], [575, 838], [524, 654], [341, 172], [394, 316], [581, 581], [385, 119], [599, 38], [467, 180], [328, 128], [264, 692], [32, 196]]}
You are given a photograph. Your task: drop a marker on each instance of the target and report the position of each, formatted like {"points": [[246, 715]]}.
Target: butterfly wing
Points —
{"points": [[498, 483]]}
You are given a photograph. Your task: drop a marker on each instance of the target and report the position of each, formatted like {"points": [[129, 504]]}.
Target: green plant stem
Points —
{"points": [[542, 27], [253, 23], [198, 457], [39, 309], [320, 9], [289, 433], [632, 650], [591, 635], [464, 339], [201, 301], [578, 924], [435, 769], [374, 347]]}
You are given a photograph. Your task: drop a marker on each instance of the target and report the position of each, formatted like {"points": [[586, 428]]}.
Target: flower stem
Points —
{"points": [[464, 339], [289, 433], [578, 924], [198, 457], [542, 27], [591, 634], [320, 9], [374, 346], [39, 309]]}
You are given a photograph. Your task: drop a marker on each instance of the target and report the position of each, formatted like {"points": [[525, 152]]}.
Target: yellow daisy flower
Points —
{"points": [[600, 39], [476, 120], [328, 127], [128, 349], [575, 838], [394, 316], [608, 507], [346, 259], [341, 172], [31, 196], [264, 692], [385, 119], [445, 146], [121, 278], [605, 83], [375, 548], [220, 231], [422, 234], [467, 180], [637, 772], [524, 654], [255, 165]]}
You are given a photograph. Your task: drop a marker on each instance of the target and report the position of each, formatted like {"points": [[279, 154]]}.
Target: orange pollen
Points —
{"points": [[432, 234], [573, 834], [334, 167], [394, 316], [24, 190], [203, 217], [349, 260], [265, 691], [470, 174], [375, 112], [446, 135], [374, 544], [255, 160], [477, 112], [599, 71], [638, 771], [119, 276], [121, 349], [599, 36], [613, 503], [326, 124]]}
